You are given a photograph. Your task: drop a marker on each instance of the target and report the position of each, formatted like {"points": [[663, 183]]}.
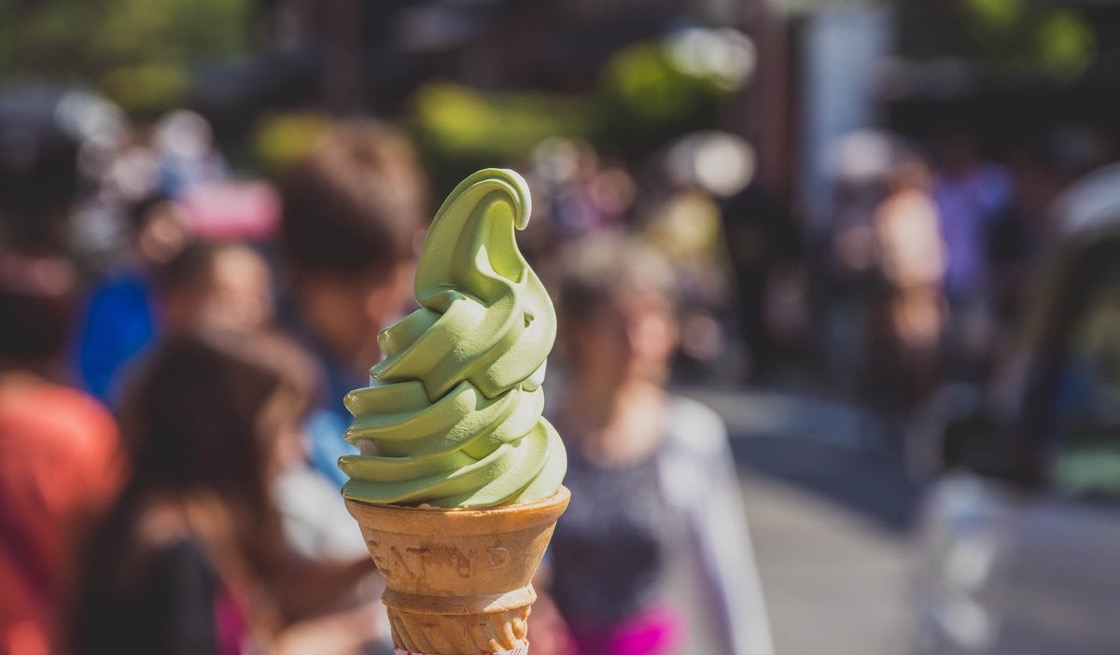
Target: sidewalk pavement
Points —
{"points": [[829, 509]]}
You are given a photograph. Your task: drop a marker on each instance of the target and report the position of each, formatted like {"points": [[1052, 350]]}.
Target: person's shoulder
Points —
{"points": [[70, 411], [87, 417], [167, 538], [148, 540], [695, 444], [693, 409], [314, 518], [76, 401], [696, 427], [122, 285]]}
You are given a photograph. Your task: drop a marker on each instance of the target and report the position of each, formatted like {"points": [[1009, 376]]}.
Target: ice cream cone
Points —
{"points": [[458, 580]]}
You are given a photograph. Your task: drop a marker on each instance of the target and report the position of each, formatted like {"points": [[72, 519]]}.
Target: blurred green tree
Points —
{"points": [[644, 100], [459, 129], [101, 41], [1010, 35]]}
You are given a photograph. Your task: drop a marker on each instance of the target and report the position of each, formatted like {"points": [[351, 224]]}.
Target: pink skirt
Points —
{"points": [[655, 631]]}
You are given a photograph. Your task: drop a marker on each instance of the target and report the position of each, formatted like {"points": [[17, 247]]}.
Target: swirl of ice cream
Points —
{"points": [[452, 416]]}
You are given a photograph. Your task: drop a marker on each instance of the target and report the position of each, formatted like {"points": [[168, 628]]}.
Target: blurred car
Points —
{"points": [[1019, 535]]}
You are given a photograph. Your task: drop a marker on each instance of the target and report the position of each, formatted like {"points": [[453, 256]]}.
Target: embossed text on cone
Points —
{"points": [[458, 580]]}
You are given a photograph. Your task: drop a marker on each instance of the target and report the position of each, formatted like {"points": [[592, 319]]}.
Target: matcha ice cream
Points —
{"points": [[452, 416]]}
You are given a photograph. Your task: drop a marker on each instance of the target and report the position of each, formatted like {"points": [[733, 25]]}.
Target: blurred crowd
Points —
{"points": [[178, 339], [932, 247]]}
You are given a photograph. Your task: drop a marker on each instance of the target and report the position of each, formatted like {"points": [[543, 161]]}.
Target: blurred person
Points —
{"points": [[58, 447], [969, 192], [906, 359], [353, 211], [764, 248], [192, 558], [652, 477], [352, 220], [59, 464], [731, 248], [39, 180], [859, 166], [1019, 232], [241, 288], [686, 229], [1041, 169], [227, 285], [119, 319]]}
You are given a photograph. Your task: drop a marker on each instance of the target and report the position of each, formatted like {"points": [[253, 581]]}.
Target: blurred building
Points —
{"points": [[1006, 75]]}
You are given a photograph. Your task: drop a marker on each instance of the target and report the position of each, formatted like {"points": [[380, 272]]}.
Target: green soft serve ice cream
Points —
{"points": [[452, 416]]}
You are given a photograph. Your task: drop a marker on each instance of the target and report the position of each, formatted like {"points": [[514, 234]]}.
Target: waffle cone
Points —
{"points": [[458, 580]]}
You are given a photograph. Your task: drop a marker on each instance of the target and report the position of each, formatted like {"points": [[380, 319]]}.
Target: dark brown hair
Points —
{"points": [[190, 419], [354, 206], [190, 268], [194, 424], [37, 303]]}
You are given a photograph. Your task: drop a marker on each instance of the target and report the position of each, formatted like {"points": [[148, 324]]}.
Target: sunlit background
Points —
{"points": [[892, 222]]}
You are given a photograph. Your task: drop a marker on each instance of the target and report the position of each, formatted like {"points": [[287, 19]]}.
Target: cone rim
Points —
{"points": [[458, 520], [562, 494]]}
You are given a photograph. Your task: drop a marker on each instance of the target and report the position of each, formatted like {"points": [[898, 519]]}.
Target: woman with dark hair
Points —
{"points": [[192, 558]]}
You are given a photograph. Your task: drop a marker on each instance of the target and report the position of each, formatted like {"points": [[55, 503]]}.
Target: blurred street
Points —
{"points": [[829, 512]]}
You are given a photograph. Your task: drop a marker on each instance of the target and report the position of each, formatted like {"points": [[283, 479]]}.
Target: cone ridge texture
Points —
{"points": [[458, 580]]}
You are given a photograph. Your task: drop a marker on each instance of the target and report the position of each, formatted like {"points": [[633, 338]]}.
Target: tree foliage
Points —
{"points": [[1016, 35], [85, 39]]}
